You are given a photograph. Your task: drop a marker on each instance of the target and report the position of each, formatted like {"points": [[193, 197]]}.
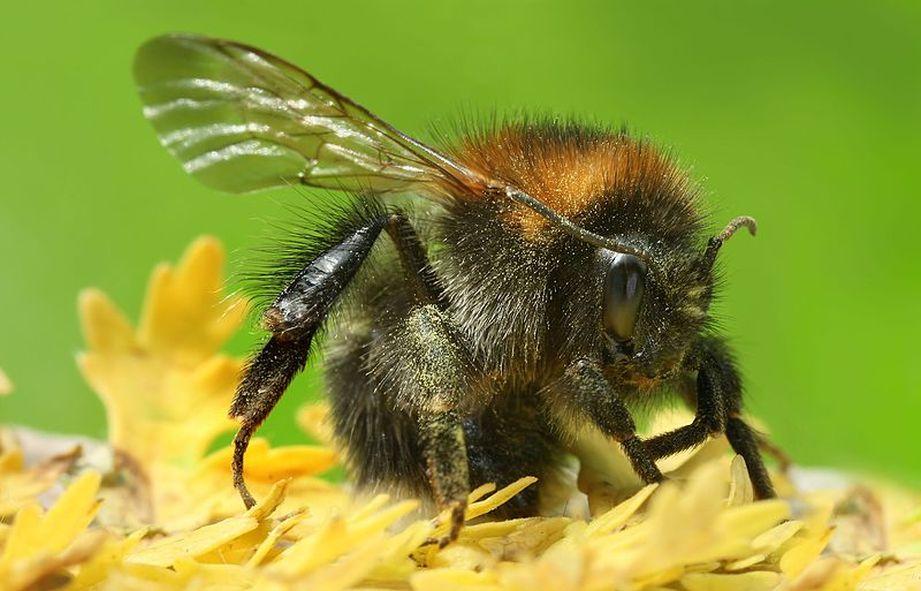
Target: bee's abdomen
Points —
{"points": [[381, 438]]}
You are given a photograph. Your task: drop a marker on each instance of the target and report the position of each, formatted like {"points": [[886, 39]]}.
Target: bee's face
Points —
{"points": [[648, 318]]}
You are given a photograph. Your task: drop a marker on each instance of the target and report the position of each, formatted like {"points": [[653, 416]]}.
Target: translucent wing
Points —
{"points": [[240, 119]]}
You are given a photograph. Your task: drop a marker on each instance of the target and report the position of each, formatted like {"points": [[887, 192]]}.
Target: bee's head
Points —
{"points": [[649, 313], [648, 297], [651, 307]]}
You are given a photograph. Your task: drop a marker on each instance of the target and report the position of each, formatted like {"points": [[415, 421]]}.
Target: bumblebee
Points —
{"points": [[563, 279]]}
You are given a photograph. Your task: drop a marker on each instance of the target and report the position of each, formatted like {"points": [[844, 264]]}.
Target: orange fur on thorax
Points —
{"points": [[569, 173]]}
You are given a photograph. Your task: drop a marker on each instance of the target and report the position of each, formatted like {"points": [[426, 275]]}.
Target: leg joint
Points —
{"points": [[414, 259]]}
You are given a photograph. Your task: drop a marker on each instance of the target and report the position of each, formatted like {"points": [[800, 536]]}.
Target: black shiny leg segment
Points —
{"points": [[299, 312]]}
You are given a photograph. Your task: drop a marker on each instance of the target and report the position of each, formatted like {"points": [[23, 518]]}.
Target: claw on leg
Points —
{"points": [[458, 508], [457, 511]]}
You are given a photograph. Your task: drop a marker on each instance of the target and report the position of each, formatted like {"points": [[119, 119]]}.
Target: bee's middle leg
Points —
{"points": [[432, 375], [442, 438]]}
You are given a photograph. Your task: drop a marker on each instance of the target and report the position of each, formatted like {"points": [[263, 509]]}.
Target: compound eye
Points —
{"points": [[624, 286]]}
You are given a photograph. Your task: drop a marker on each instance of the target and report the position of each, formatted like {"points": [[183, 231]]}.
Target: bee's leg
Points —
{"points": [[593, 396], [719, 409], [709, 419], [265, 379], [299, 311], [743, 439], [446, 466], [433, 376], [745, 443]]}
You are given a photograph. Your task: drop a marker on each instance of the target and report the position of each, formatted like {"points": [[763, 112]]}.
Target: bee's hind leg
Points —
{"points": [[293, 319], [302, 307]]}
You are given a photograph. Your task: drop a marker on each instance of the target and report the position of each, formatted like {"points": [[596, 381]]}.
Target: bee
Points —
{"points": [[563, 280]]}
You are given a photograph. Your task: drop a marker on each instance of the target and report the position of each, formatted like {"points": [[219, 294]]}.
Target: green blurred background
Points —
{"points": [[804, 114]]}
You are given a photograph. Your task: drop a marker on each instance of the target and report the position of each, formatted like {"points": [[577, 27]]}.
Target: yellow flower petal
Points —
{"points": [[751, 581], [20, 486], [48, 571], [312, 419], [396, 565], [268, 544], [476, 508], [39, 544], [905, 576], [104, 561], [740, 485], [745, 563], [796, 559], [453, 578], [349, 569], [335, 538], [165, 387], [34, 533], [530, 538], [185, 317], [73, 511], [618, 516], [169, 550], [105, 327], [270, 465], [6, 386], [773, 538], [196, 543]]}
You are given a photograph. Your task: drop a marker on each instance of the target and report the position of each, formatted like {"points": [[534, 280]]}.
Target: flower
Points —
{"points": [[151, 509], [165, 385], [6, 386], [39, 544]]}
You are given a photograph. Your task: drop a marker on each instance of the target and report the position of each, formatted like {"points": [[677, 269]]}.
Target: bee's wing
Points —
{"points": [[240, 119]]}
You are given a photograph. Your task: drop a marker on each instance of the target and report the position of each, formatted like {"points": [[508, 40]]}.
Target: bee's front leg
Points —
{"points": [[591, 396], [708, 394], [718, 396]]}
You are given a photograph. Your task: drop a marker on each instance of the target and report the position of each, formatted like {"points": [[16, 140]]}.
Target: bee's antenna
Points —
{"points": [[572, 229], [716, 242]]}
